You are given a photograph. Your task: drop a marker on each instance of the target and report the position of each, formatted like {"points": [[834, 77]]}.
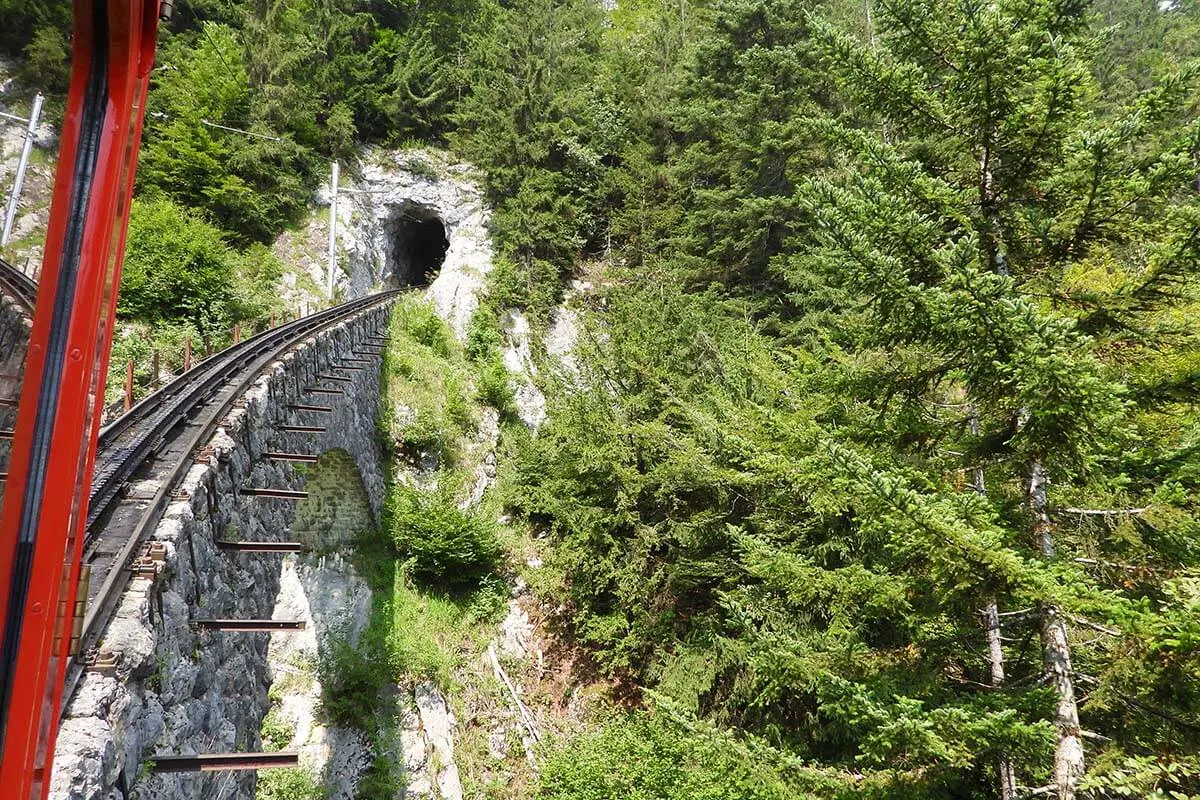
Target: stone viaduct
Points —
{"points": [[164, 685]]}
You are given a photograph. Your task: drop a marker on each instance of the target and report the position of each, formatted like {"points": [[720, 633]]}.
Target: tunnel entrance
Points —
{"points": [[418, 244]]}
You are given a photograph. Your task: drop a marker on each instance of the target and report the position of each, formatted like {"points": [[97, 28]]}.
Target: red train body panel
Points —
{"points": [[45, 509]]}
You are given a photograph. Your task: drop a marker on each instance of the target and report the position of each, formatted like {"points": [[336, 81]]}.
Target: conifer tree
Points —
{"points": [[979, 181]]}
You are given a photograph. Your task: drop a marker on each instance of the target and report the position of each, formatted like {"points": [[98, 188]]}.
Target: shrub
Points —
{"points": [[492, 387], [444, 543], [650, 757], [350, 683], [484, 339], [288, 784], [47, 60], [177, 267], [277, 732], [417, 318]]}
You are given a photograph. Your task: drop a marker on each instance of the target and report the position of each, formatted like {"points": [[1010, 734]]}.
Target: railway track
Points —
{"points": [[18, 285], [155, 442]]}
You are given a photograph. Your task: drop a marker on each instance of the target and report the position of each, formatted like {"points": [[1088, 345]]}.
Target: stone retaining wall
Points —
{"points": [[177, 690]]}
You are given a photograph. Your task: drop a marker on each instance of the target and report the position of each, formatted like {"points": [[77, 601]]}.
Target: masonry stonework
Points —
{"points": [[178, 690]]}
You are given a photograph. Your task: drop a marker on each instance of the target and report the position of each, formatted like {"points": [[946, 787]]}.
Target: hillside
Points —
{"points": [[834, 382]]}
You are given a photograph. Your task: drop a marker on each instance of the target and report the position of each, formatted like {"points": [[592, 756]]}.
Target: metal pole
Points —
{"points": [[333, 193], [10, 215]]}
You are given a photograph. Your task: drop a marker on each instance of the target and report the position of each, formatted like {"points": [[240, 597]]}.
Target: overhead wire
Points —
{"points": [[229, 73]]}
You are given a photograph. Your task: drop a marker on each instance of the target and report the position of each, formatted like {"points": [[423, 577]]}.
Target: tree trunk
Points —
{"points": [[1005, 774], [1004, 766], [1056, 655]]}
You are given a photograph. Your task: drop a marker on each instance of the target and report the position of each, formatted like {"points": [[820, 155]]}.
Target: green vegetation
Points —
{"points": [[652, 756], [880, 467], [179, 269], [288, 784], [426, 382], [446, 545], [276, 732], [896, 344]]}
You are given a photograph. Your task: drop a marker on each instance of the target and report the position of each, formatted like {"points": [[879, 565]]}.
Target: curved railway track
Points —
{"points": [[159, 436], [18, 285]]}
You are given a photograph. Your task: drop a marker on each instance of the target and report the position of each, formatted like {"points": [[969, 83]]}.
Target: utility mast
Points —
{"points": [[10, 214], [333, 194]]}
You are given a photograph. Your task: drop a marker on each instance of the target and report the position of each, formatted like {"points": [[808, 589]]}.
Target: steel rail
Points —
{"points": [[117, 459], [212, 762], [17, 285], [136, 436]]}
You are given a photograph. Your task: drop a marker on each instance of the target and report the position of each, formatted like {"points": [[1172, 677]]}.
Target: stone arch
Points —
{"points": [[337, 508]]}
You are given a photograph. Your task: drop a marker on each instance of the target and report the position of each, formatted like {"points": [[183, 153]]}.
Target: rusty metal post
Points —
{"points": [[237, 332], [272, 319], [129, 385]]}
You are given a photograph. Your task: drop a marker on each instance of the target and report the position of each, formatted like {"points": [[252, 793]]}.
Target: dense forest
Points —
{"points": [[877, 476]]}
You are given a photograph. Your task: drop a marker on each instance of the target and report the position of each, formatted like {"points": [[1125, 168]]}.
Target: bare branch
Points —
{"points": [[1094, 625], [1093, 562], [1106, 512]]}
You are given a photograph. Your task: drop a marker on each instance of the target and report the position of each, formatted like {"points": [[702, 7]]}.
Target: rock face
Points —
{"points": [[178, 690], [322, 589], [402, 196], [29, 229], [559, 342]]}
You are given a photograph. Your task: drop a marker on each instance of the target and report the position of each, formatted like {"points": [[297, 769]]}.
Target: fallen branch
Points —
{"points": [[522, 710], [1094, 625]]}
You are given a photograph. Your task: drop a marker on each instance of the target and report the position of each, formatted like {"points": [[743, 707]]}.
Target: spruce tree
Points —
{"points": [[978, 183]]}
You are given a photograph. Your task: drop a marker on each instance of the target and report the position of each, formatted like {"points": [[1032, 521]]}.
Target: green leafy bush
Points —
{"points": [[277, 732], [417, 318], [47, 60], [493, 388], [484, 339], [445, 544], [288, 784], [177, 267], [650, 757]]}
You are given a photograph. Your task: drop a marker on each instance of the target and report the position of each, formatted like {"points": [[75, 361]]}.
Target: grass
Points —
{"points": [[277, 731], [436, 571], [427, 381], [434, 634], [288, 784], [427, 632]]}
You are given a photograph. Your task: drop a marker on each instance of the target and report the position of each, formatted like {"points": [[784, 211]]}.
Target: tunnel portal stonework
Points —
{"points": [[177, 690], [402, 196]]}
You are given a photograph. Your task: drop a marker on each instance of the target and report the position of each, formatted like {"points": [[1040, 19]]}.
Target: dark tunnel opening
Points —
{"points": [[419, 245]]}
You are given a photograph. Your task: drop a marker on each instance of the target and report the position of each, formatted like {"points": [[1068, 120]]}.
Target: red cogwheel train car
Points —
{"points": [[54, 440]]}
